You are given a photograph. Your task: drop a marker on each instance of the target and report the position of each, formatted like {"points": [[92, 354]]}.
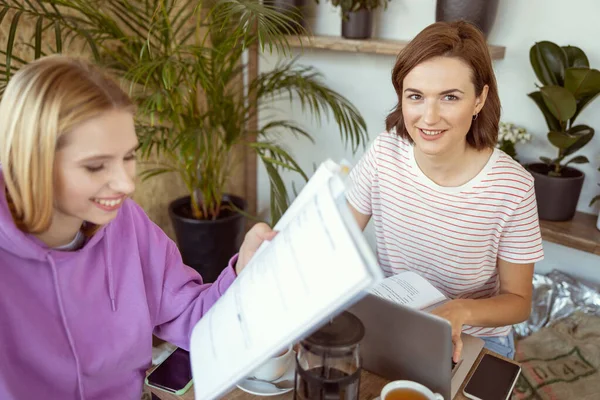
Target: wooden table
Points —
{"points": [[370, 387]]}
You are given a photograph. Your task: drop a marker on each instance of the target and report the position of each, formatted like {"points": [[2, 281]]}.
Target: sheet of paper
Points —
{"points": [[409, 289], [311, 270], [326, 171]]}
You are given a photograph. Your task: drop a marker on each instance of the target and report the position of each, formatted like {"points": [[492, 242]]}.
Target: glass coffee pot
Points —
{"points": [[328, 364]]}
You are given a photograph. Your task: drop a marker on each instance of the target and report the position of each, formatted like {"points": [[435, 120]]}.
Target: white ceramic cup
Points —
{"points": [[274, 367], [410, 385]]}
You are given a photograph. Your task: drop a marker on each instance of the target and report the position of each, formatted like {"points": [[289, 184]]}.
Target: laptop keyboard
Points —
{"points": [[455, 366]]}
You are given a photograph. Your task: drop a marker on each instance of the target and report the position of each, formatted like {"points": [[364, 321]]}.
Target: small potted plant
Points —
{"points": [[294, 9], [568, 85], [357, 16], [509, 135]]}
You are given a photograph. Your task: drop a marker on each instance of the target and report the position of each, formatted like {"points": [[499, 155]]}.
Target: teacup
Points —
{"points": [[408, 385], [275, 367]]}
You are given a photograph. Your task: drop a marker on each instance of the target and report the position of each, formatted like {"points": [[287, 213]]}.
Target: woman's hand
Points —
{"points": [[456, 312], [254, 238]]}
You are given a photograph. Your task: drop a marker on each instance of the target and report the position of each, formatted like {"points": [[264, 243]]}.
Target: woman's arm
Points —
{"points": [[182, 298], [511, 306], [361, 219]]}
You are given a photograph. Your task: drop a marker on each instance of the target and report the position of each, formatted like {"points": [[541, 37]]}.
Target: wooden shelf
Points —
{"points": [[374, 46], [580, 233]]}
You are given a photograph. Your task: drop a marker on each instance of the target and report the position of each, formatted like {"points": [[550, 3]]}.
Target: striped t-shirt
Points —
{"points": [[452, 236]]}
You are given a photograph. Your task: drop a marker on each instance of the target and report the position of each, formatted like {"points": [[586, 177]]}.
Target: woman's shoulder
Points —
{"points": [[389, 142], [508, 169]]}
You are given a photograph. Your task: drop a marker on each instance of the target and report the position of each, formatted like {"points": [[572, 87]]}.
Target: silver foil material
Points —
{"points": [[556, 296]]}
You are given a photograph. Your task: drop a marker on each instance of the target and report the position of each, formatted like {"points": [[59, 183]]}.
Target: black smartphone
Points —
{"points": [[493, 379], [174, 374]]}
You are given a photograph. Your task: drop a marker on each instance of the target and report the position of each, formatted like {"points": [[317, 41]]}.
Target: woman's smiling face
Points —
{"points": [[94, 168], [439, 103]]}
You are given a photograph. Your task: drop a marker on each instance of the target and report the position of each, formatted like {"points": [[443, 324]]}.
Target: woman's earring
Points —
{"points": [[475, 116]]}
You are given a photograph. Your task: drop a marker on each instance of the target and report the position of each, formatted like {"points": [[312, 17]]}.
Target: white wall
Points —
{"points": [[365, 78], [580, 264]]}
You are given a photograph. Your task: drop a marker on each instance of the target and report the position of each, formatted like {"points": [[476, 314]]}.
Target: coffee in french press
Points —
{"points": [[328, 364]]}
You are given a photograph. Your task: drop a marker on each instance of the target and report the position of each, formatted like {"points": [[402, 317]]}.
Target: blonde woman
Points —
{"points": [[86, 277]]}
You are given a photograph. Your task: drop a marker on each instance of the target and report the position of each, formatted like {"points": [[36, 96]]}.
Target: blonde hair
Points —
{"points": [[42, 102]]}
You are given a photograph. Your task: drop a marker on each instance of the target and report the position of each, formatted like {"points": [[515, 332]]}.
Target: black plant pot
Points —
{"points": [[556, 197], [480, 12], [207, 245], [358, 24], [288, 7]]}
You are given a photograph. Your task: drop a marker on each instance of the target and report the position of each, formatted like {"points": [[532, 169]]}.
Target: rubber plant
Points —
{"points": [[568, 86]]}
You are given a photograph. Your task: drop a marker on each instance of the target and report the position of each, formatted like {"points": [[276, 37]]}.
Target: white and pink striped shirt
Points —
{"points": [[452, 236]]}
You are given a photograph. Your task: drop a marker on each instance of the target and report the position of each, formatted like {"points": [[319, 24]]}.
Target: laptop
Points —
{"points": [[404, 343]]}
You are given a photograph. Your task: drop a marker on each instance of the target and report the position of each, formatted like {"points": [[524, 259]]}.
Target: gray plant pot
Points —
{"points": [[556, 197], [207, 245], [358, 25], [480, 12], [288, 7]]}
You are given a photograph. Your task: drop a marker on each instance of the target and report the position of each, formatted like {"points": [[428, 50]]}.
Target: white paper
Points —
{"points": [[409, 289], [313, 268]]}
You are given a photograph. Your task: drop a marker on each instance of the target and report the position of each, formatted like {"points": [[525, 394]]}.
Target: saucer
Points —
{"points": [[264, 389]]}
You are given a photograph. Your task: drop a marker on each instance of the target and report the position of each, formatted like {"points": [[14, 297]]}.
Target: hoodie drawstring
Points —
{"points": [[109, 276], [65, 326]]}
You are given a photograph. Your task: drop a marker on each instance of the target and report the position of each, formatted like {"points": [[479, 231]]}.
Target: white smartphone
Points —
{"points": [[493, 379]]}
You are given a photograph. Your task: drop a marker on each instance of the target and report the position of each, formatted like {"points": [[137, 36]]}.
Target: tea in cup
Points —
{"points": [[275, 367], [407, 390]]}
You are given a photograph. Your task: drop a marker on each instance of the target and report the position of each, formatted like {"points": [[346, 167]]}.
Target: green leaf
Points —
{"points": [[546, 160], [3, 13], [582, 82], [584, 135], [549, 62], [582, 104], [38, 37], [578, 160], [575, 57], [285, 125], [279, 195], [11, 40], [559, 101], [561, 139], [551, 121], [152, 172], [58, 37], [595, 199]]}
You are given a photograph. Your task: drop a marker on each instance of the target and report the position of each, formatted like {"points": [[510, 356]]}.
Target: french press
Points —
{"points": [[328, 363]]}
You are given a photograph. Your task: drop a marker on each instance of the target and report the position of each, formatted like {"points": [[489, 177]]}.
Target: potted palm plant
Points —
{"points": [[183, 62], [568, 85]]}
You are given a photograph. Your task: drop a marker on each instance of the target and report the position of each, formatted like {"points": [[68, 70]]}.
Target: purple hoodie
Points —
{"points": [[78, 325]]}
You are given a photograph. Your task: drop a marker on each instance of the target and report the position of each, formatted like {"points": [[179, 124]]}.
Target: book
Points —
{"points": [[317, 266], [410, 289]]}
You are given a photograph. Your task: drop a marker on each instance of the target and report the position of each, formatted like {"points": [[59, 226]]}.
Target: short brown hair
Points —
{"points": [[461, 40]]}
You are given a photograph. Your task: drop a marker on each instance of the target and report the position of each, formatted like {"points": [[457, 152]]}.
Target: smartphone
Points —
{"points": [[174, 374], [493, 379]]}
